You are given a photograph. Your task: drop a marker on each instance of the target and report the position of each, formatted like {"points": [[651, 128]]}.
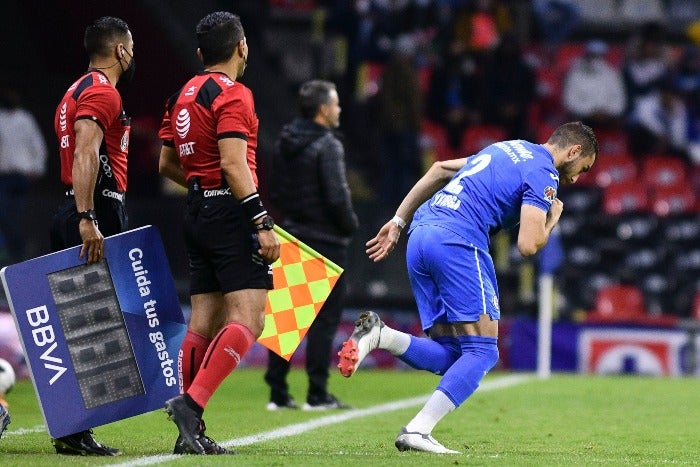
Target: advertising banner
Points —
{"points": [[101, 340]]}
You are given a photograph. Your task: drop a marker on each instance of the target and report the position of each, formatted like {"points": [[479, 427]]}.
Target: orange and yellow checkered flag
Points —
{"points": [[303, 280]]}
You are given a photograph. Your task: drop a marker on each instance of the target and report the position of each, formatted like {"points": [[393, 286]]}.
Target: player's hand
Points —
{"points": [[269, 245], [384, 242], [93, 241], [555, 211]]}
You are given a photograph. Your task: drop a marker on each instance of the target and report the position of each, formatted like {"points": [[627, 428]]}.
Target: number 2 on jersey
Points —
{"points": [[475, 164]]}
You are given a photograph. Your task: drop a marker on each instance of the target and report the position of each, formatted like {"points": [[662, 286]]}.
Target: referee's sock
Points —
{"points": [[192, 352], [224, 354]]}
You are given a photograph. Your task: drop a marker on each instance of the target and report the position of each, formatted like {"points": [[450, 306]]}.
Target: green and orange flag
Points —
{"points": [[303, 280]]}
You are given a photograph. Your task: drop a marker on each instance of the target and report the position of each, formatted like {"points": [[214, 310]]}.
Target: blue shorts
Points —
{"points": [[452, 280]]}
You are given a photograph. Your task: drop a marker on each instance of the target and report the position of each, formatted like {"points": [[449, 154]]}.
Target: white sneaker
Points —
{"points": [[420, 442], [364, 339]]}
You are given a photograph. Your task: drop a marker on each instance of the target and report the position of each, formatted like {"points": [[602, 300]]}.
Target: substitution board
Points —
{"points": [[101, 339]]}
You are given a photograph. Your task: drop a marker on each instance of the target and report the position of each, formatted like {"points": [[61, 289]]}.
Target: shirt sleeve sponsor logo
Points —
{"points": [[62, 117], [226, 80], [182, 124], [550, 193], [554, 177], [191, 90], [124, 143]]}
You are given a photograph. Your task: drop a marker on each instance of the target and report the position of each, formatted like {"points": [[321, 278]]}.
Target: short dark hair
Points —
{"points": [[102, 34], [575, 133], [312, 95], [218, 34]]}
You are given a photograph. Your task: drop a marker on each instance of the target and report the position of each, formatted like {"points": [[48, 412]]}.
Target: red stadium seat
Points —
{"points": [[613, 170], [477, 137], [663, 171], [567, 54], [672, 199], [619, 303], [612, 143], [433, 142], [625, 197]]}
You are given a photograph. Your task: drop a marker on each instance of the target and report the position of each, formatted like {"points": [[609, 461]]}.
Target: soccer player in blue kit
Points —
{"points": [[455, 207]]}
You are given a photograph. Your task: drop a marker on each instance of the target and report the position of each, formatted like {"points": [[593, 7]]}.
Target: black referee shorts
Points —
{"points": [[65, 233], [222, 247]]}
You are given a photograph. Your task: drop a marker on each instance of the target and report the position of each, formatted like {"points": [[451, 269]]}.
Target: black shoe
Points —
{"points": [[4, 419], [325, 402], [210, 446], [283, 404], [188, 424], [82, 444]]}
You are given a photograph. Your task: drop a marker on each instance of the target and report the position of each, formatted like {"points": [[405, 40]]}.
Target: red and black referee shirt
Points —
{"points": [[211, 106]]}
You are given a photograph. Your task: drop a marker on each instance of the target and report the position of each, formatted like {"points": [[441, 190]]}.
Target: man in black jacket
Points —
{"points": [[309, 188]]}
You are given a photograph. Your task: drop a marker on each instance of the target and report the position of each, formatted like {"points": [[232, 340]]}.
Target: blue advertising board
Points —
{"points": [[101, 340]]}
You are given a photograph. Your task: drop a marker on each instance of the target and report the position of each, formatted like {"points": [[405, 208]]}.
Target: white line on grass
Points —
{"points": [[25, 431], [299, 428]]}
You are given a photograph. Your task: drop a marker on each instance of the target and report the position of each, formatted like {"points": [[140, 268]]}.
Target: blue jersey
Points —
{"points": [[487, 193]]}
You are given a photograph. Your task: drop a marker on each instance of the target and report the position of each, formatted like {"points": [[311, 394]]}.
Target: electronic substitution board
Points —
{"points": [[101, 339]]}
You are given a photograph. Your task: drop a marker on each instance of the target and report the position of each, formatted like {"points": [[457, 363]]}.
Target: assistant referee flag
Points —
{"points": [[303, 280]]}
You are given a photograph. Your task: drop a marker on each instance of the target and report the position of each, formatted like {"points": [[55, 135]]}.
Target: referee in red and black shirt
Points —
{"points": [[93, 139], [209, 134]]}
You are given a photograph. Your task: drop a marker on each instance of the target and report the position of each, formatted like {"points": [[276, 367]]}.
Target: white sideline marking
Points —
{"points": [[25, 431], [298, 428]]}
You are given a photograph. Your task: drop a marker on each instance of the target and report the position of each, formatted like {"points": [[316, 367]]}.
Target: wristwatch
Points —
{"points": [[267, 223], [89, 215]]}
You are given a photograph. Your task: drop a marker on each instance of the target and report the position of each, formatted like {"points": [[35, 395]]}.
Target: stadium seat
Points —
{"points": [[433, 141], [580, 199], [639, 228], [625, 197], [680, 231], [477, 137], [614, 170], [612, 143], [618, 303], [567, 54], [663, 171], [696, 306], [673, 199]]}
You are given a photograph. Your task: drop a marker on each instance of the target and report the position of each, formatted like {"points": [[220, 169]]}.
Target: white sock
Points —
{"points": [[433, 411], [394, 341]]}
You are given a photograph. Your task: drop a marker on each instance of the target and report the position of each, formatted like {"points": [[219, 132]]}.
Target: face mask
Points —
{"points": [[128, 74]]}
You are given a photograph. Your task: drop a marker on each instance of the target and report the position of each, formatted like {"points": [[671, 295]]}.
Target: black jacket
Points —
{"points": [[308, 184]]}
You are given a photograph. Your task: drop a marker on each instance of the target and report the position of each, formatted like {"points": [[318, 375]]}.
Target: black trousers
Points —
{"points": [[319, 338]]}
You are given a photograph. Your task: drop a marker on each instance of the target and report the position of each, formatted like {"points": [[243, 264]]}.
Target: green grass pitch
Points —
{"points": [[564, 420]]}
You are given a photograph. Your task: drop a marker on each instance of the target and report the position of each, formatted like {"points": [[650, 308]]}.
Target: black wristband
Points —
{"points": [[253, 207]]}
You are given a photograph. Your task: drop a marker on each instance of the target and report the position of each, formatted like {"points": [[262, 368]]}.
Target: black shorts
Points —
{"points": [[65, 233], [222, 247]]}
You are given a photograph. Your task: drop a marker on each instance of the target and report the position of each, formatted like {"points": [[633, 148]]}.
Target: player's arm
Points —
{"points": [[88, 137], [536, 225], [234, 165], [435, 178], [169, 165]]}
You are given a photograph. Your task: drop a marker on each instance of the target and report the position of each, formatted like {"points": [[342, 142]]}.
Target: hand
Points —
{"points": [[93, 241], [555, 211], [269, 245], [384, 242]]}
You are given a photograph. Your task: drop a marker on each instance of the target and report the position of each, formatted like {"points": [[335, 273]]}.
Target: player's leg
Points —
{"points": [[421, 353], [470, 295]]}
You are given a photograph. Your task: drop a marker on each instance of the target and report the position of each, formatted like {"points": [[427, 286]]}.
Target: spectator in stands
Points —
{"points": [[509, 88], [556, 19], [451, 94], [647, 63], [687, 80], [22, 159], [594, 91], [400, 114], [659, 123]]}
